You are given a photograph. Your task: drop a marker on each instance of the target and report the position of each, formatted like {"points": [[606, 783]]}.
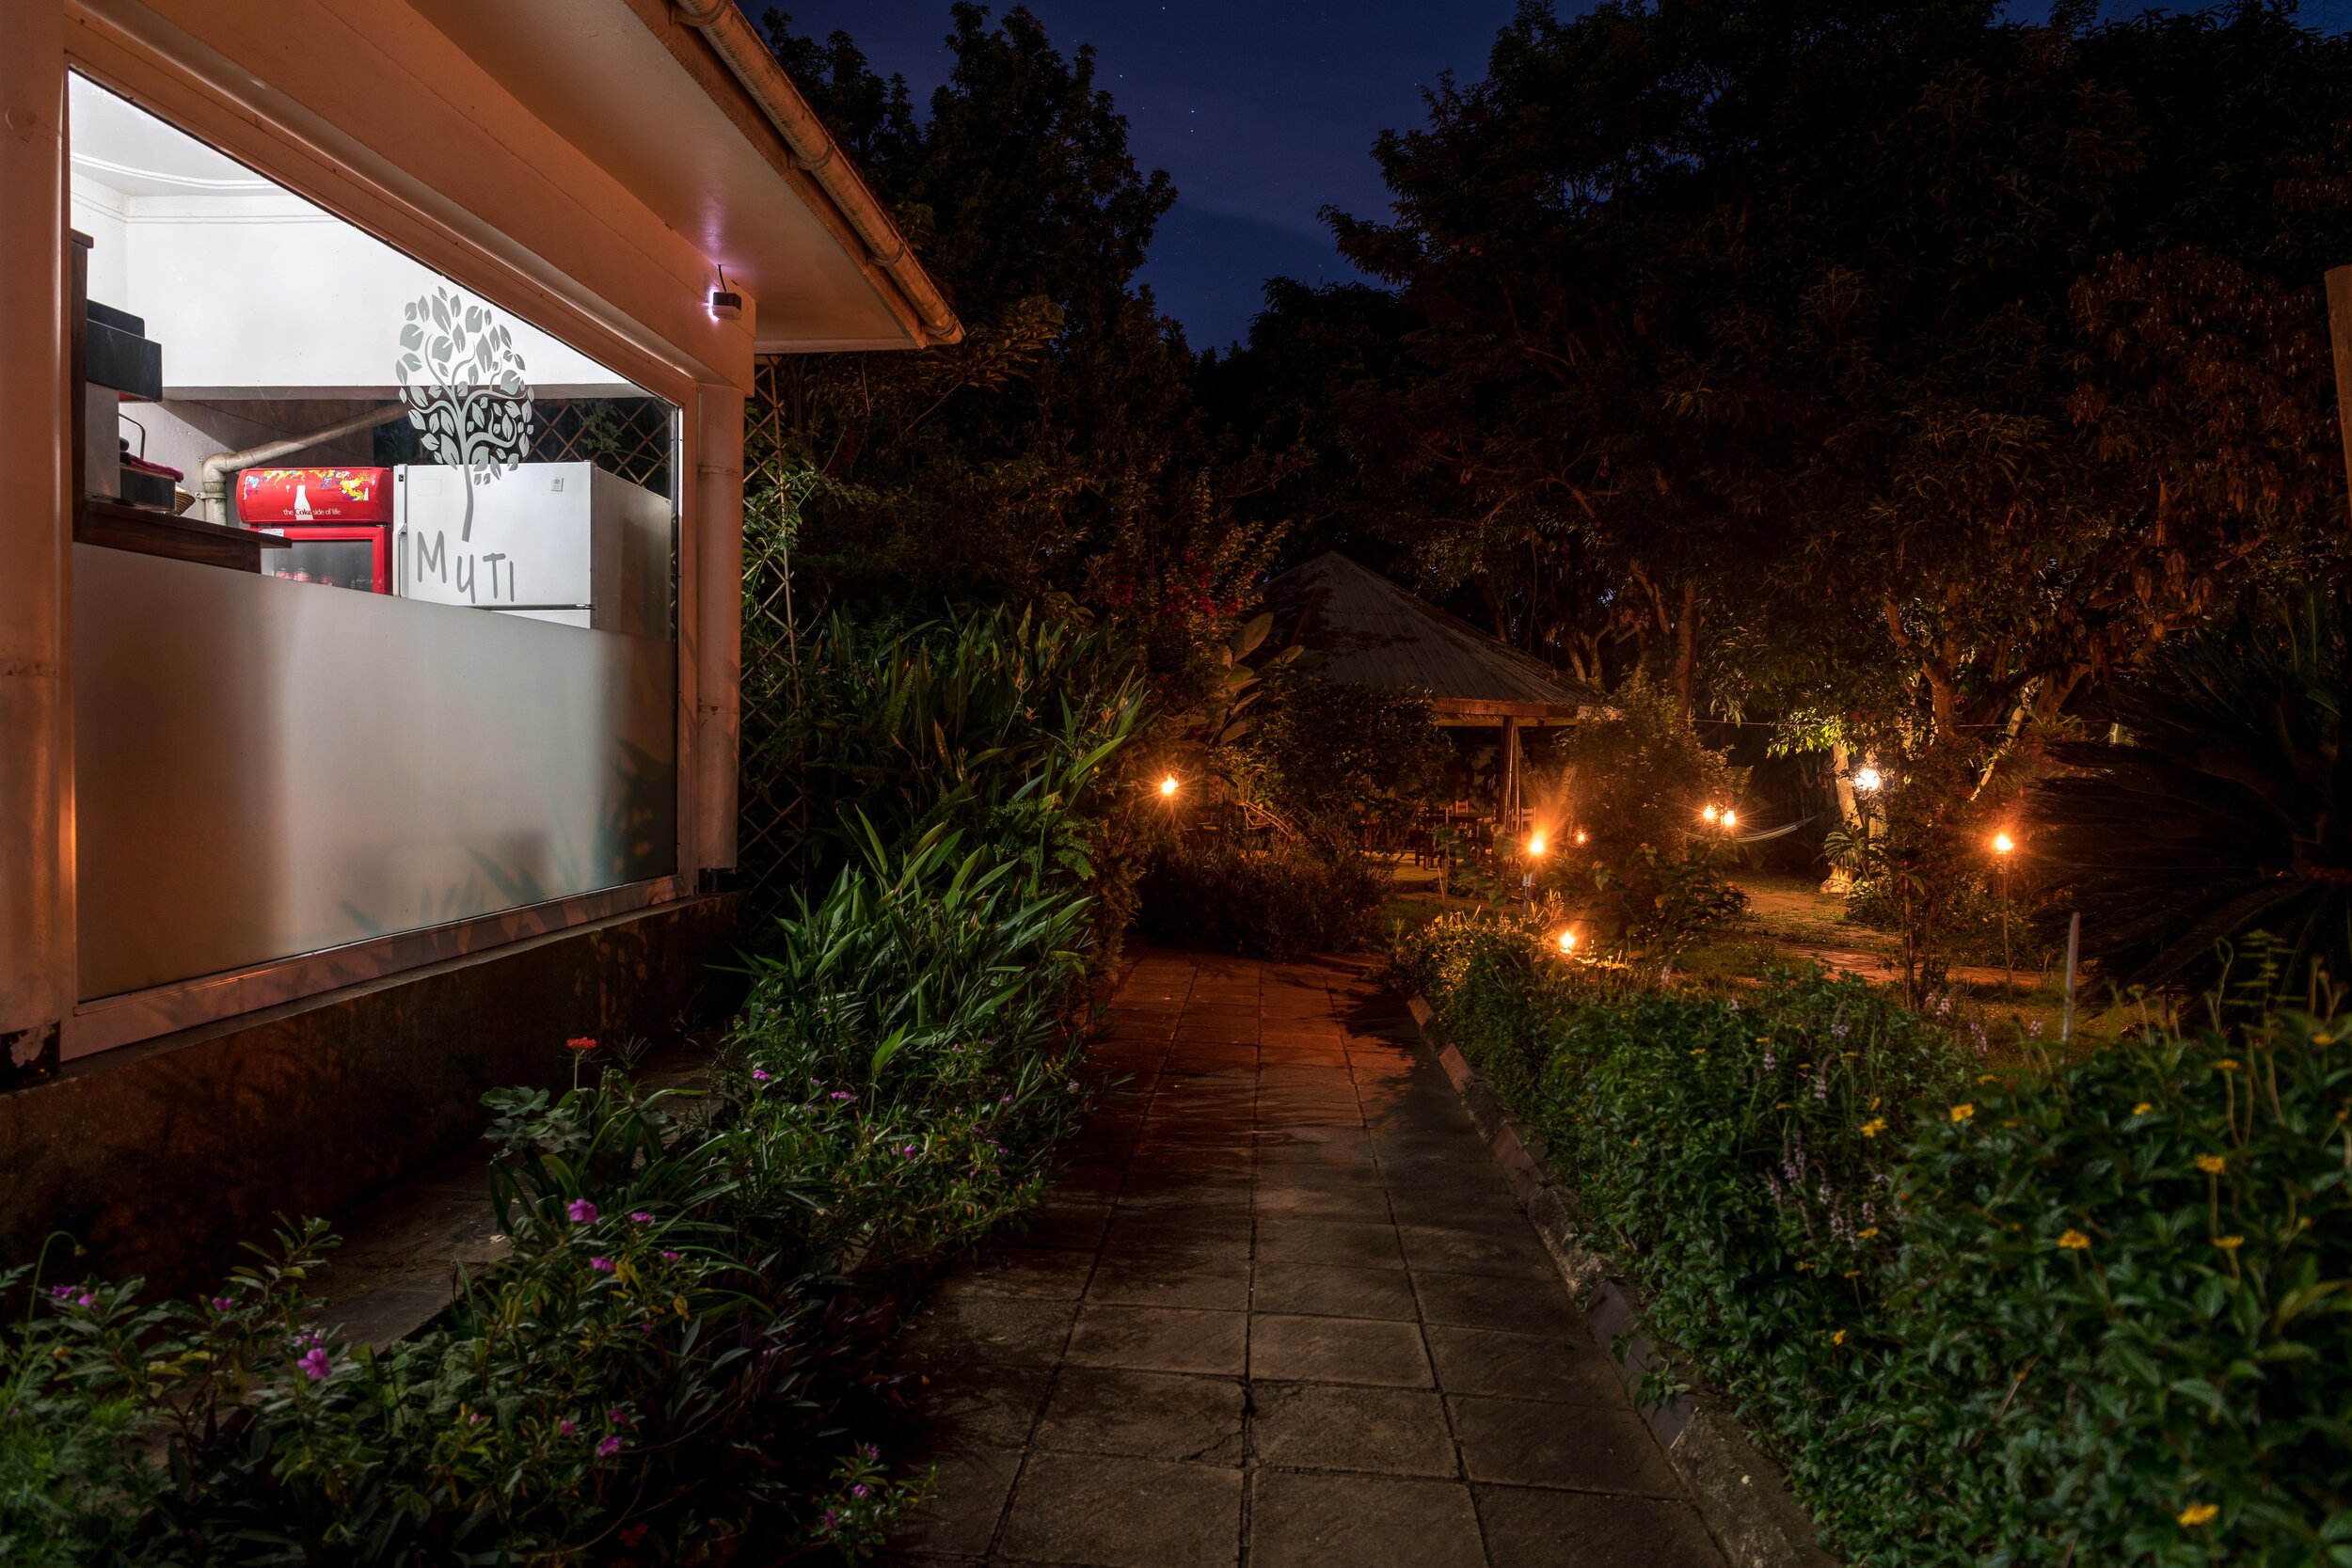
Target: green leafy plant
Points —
{"points": [[2223, 805], [1282, 900], [2083, 1311]]}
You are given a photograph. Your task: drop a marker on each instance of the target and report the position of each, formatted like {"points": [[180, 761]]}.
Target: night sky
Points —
{"points": [[1261, 110]]}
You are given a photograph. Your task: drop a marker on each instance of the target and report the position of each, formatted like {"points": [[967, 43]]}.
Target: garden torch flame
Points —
{"points": [[1567, 942], [1730, 818], [1537, 843], [1709, 814], [1168, 785], [2003, 843], [1581, 835]]}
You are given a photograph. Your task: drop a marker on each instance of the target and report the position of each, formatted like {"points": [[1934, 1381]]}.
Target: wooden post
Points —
{"points": [[2073, 950], [2340, 333], [1509, 767]]}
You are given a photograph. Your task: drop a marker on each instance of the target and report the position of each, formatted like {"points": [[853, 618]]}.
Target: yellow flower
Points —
{"points": [[1874, 1102], [2142, 1108], [2229, 1244], [1987, 1078], [1838, 1337], [1699, 1050], [2199, 1514], [1962, 1112], [1866, 1233], [2227, 1064], [2323, 1040], [1872, 1128], [2074, 1240], [2211, 1164]]}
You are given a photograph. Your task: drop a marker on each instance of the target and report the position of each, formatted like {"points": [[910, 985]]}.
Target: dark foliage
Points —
{"points": [[1285, 900], [2224, 808]]}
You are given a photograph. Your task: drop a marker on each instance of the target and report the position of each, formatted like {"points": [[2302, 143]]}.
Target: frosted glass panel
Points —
{"points": [[261, 769]]}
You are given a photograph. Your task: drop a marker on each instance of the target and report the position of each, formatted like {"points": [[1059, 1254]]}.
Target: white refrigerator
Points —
{"points": [[563, 542]]}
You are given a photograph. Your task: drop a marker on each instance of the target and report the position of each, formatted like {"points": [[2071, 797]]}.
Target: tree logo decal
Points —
{"points": [[464, 386]]}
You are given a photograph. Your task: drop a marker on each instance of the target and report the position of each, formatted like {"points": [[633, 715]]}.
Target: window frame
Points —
{"points": [[162, 86]]}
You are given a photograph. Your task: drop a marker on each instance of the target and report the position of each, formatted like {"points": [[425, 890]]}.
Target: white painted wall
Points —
{"points": [[251, 289]]}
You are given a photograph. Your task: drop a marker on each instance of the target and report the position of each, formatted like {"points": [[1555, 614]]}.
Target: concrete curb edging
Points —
{"points": [[1742, 1496]]}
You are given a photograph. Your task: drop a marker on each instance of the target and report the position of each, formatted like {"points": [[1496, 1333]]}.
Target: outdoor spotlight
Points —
{"points": [[1730, 817], [1168, 785], [1537, 842], [1867, 780], [1567, 942], [2003, 843], [726, 305], [1708, 813], [1581, 835]]}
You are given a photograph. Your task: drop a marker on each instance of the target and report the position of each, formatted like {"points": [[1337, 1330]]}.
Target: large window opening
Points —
{"points": [[274, 403]]}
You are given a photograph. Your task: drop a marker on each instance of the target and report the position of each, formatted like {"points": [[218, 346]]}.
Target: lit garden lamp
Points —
{"points": [[1538, 843], [2004, 846], [1167, 788], [1582, 838], [1567, 941]]}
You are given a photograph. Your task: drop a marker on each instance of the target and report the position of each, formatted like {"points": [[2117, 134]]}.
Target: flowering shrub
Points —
{"points": [[697, 1281], [2087, 1312]]}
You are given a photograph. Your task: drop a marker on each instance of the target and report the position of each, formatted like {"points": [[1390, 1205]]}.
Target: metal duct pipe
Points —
{"points": [[213, 473], [811, 146]]}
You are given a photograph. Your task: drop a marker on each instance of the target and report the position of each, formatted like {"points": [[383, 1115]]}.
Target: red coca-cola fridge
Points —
{"points": [[337, 521]]}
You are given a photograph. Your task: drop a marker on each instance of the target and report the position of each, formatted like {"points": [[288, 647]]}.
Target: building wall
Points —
{"points": [[163, 1157], [303, 1086]]}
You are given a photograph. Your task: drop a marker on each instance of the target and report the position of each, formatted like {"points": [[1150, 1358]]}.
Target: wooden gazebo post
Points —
{"points": [[1506, 816]]}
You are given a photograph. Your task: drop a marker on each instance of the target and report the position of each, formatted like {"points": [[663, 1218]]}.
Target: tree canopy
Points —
{"points": [[1886, 362]]}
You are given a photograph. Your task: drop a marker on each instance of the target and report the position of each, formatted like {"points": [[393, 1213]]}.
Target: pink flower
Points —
{"points": [[85, 1299], [607, 1449], [581, 1210], [642, 1217], [564, 1427], [760, 1075], [602, 1265], [61, 1291], [222, 1303], [841, 1094], [314, 1363], [858, 1491], [669, 1256]]}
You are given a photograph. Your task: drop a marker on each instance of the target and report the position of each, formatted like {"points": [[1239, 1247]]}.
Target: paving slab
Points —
{"points": [[1278, 1307]]}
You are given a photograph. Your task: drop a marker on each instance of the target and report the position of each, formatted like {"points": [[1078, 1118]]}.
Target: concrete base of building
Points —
{"points": [[162, 1158]]}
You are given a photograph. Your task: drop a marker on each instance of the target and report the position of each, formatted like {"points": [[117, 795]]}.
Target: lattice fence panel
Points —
{"points": [[772, 826], [631, 437]]}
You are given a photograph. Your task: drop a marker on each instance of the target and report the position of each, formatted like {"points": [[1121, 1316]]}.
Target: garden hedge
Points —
{"points": [[2081, 1312]]}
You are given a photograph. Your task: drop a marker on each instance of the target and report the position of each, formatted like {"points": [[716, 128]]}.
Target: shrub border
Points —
{"points": [[1742, 1496]]}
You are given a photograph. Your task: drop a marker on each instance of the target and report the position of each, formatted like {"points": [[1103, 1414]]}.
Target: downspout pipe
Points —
{"points": [[747, 56], [213, 473]]}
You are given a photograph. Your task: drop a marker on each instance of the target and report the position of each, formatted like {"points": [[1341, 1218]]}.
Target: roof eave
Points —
{"points": [[812, 158]]}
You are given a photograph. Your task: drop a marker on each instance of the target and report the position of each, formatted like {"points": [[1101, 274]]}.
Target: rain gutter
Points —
{"points": [[747, 56]]}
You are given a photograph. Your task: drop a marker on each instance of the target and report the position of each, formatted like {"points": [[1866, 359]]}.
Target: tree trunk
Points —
{"points": [[1840, 881], [1686, 646]]}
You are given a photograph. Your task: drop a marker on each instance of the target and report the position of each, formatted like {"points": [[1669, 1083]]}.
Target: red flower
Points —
{"points": [[582, 1043]]}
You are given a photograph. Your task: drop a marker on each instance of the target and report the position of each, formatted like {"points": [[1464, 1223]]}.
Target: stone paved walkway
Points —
{"points": [[1279, 1310]]}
